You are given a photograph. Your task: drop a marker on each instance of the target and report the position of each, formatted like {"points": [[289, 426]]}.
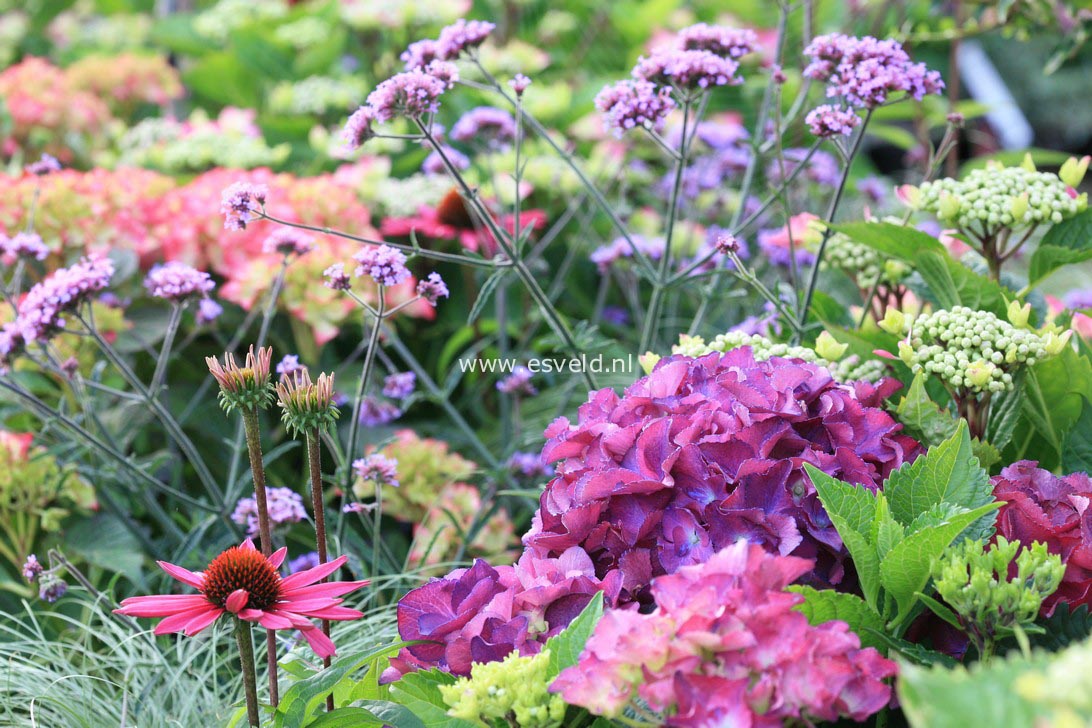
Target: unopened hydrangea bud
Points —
{"points": [[948, 206], [979, 373], [828, 347], [648, 361], [893, 322], [906, 353], [1073, 170], [1018, 207], [909, 195], [1019, 315], [1053, 344]]}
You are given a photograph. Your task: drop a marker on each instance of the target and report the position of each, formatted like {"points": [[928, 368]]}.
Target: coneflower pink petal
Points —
{"points": [[277, 557], [200, 622], [336, 614], [160, 605], [183, 575], [178, 622], [308, 605], [247, 544], [333, 589], [237, 600], [274, 621], [250, 615], [298, 621], [320, 643], [310, 576]]}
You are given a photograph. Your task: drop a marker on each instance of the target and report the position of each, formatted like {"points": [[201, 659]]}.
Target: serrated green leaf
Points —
{"points": [[886, 531], [1077, 449], [922, 417], [350, 717], [1068, 242], [947, 473], [853, 504], [565, 647], [392, 714], [1055, 391], [915, 653], [825, 605], [897, 241], [1005, 411], [940, 610], [906, 569], [1067, 625], [420, 692]]}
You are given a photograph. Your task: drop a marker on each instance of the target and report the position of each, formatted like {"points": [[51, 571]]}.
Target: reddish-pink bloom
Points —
{"points": [[248, 585]]}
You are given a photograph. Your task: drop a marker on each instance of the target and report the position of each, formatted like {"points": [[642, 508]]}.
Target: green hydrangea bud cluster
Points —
{"points": [[971, 351], [975, 583], [514, 691], [845, 370], [862, 263], [987, 200], [1064, 684]]}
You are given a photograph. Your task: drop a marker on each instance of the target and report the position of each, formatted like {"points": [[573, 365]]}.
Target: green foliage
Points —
{"points": [[896, 534], [1066, 243], [826, 605], [565, 648]]}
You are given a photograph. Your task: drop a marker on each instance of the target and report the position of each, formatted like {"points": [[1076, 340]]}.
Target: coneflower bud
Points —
{"points": [[307, 406], [247, 387]]}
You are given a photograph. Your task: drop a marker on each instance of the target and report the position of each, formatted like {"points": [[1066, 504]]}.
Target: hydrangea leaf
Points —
{"points": [[420, 692], [896, 241], [1054, 398], [906, 569], [1077, 452], [886, 531], [852, 510], [565, 648], [1005, 413], [1068, 242], [923, 417], [826, 605], [947, 473]]}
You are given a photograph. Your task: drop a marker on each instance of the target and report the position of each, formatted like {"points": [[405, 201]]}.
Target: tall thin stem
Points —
{"points": [[362, 383], [314, 470], [245, 642], [165, 350], [257, 472]]}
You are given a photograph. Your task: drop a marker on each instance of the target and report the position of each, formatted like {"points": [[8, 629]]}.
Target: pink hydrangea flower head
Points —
{"points": [[240, 202], [830, 120], [690, 70], [461, 37], [628, 105], [176, 281], [411, 94], [242, 582], [384, 264], [719, 39], [432, 288]]}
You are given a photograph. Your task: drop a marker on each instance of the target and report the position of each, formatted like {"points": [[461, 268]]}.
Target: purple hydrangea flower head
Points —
{"points": [[377, 468], [412, 94], [208, 311], [829, 120], [47, 164], [421, 53], [289, 365], [432, 288], [32, 569], [176, 281], [687, 69], [399, 385], [434, 163], [359, 128], [303, 562], [628, 105], [288, 241], [285, 507], [487, 126], [335, 277], [377, 412], [866, 71], [462, 36], [718, 39], [239, 203], [42, 309], [1077, 299], [518, 382], [704, 452], [519, 83], [384, 264], [25, 244]]}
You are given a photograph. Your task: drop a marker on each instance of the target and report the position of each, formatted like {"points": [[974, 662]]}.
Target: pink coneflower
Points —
{"points": [[248, 585]]}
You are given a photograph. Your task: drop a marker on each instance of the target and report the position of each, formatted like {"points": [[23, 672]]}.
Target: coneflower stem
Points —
{"points": [[257, 472], [246, 660], [314, 468]]}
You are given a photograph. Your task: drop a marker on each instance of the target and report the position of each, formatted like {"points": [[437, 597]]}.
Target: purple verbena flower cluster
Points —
{"points": [[725, 646], [412, 94], [336, 278], [377, 468], [518, 382], [32, 568], [285, 507], [822, 168], [377, 412], [432, 288], [686, 69], [485, 125], [25, 245], [529, 465], [718, 39], [399, 385], [461, 37], [47, 164], [359, 128], [434, 162], [830, 120], [288, 241], [289, 365], [866, 71], [630, 104], [239, 203], [176, 281], [208, 311], [384, 264]]}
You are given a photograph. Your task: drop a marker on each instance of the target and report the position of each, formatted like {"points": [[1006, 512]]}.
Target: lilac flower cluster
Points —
{"points": [[399, 385], [829, 120], [285, 507], [434, 162], [47, 164], [289, 365], [718, 39], [336, 278], [208, 311], [385, 265], [630, 104], [432, 288], [518, 382], [461, 37], [822, 168], [529, 465], [377, 412], [178, 282], [41, 312], [690, 70], [358, 129], [485, 125], [22, 245], [32, 568], [239, 203], [866, 71], [412, 94], [288, 241], [377, 468]]}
